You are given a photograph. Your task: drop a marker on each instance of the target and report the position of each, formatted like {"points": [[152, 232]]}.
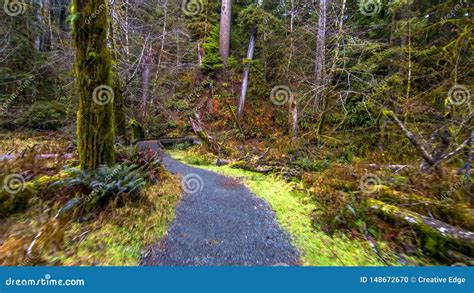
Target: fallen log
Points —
{"points": [[393, 168], [222, 162], [445, 235], [455, 214], [39, 156], [249, 166]]}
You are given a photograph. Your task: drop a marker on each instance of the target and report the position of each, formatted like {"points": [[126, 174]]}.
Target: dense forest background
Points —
{"points": [[366, 103]]}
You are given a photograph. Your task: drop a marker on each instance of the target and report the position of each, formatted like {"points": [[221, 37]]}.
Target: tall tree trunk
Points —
{"points": [[293, 107], [319, 66], [95, 117], [146, 81], [163, 37], [292, 45], [224, 34], [293, 116], [320, 49], [245, 79]]}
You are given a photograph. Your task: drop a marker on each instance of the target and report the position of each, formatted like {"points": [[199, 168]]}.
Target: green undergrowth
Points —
{"points": [[119, 239], [293, 211], [115, 237]]}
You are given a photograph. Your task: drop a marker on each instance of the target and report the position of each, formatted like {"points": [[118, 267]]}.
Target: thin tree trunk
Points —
{"points": [[127, 39], [319, 67], [163, 34], [290, 55], [293, 107], [224, 34], [320, 49], [293, 116], [245, 79], [146, 81]]}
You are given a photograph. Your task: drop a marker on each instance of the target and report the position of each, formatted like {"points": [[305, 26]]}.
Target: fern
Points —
{"points": [[105, 185]]}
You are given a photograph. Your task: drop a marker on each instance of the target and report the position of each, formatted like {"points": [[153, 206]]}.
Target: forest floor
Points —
{"points": [[239, 217], [115, 236]]}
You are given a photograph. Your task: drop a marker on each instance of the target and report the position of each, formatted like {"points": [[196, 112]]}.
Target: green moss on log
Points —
{"points": [[456, 214], [438, 235], [95, 121]]}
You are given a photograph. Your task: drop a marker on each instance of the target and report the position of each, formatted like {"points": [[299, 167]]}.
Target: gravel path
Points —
{"points": [[219, 222]]}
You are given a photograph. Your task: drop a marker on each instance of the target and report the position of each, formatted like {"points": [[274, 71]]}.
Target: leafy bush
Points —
{"points": [[44, 115]]}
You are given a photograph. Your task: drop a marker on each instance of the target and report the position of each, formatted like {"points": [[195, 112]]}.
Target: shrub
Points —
{"points": [[43, 115]]}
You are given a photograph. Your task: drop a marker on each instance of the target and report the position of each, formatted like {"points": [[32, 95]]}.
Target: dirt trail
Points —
{"points": [[219, 222]]}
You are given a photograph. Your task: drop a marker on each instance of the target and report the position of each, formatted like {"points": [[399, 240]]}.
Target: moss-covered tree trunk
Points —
{"points": [[95, 117]]}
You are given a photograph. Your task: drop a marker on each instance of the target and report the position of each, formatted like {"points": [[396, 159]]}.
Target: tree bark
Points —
{"points": [[95, 122], [146, 81], [319, 64], [224, 34], [245, 79], [293, 116]]}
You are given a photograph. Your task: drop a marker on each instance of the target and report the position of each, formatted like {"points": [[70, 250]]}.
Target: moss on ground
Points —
{"points": [[116, 237], [119, 239], [293, 212]]}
